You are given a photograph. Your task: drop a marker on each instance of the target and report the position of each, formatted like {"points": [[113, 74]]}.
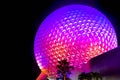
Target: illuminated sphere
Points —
{"points": [[74, 32]]}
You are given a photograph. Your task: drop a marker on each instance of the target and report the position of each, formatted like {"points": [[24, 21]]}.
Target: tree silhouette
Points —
{"points": [[89, 76], [64, 69], [82, 76], [86, 76], [96, 75]]}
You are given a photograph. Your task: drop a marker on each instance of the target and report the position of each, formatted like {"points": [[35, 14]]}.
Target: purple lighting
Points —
{"points": [[75, 32]]}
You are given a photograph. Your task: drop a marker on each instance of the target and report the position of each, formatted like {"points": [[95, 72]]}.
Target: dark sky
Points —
{"points": [[39, 9]]}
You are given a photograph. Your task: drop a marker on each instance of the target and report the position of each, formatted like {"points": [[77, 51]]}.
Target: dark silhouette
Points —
{"points": [[89, 76], [96, 75], [84, 75], [64, 70]]}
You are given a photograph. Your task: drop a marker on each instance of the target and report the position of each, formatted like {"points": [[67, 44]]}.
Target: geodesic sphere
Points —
{"points": [[74, 32]]}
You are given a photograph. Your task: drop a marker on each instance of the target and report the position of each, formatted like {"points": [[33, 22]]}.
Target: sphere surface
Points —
{"points": [[74, 32]]}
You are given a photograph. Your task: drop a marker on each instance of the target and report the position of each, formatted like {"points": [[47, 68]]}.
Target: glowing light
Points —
{"points": [[75, 32]]}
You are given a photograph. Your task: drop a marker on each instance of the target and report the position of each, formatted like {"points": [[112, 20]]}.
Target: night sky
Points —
{"points": [[40, 9]]}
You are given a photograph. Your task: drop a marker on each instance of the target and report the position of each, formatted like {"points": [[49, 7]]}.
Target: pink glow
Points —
{"points": [[77, 33]]}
